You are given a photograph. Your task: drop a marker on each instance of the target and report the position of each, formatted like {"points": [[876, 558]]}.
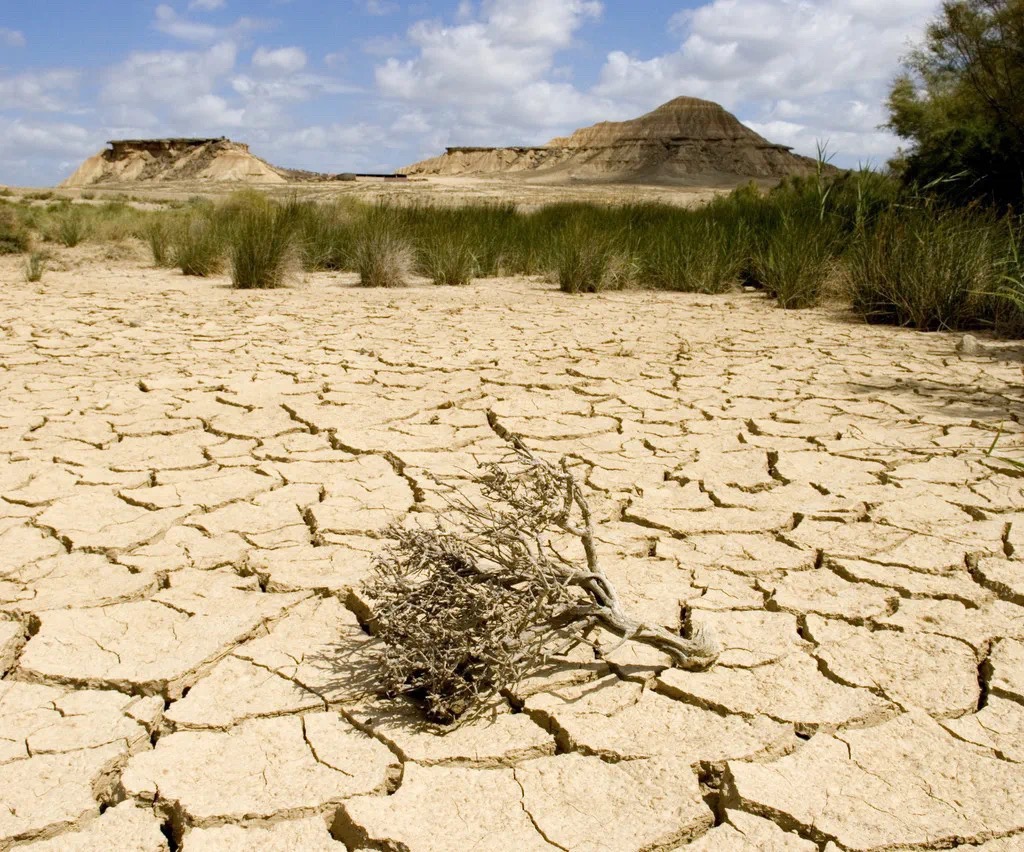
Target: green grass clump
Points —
{"points": [[159, 233], [695, 255], [71, 227], [927, 269], [383, 258], [14, 236], [261, 247], [199, 246], [35, 265], [588, 261], [793, 262], [325, 235], [449, 261]]}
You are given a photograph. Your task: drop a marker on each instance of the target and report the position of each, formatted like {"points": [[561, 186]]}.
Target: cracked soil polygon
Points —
{"points": [[192, 482]]}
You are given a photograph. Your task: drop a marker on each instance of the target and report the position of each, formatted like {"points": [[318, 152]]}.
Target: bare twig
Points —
{"points": [[467, 609]]}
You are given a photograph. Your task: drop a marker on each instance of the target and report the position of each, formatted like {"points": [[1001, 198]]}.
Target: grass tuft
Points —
{"points": [[449, 261], [262, 248], [926, 269], [72, 227], [35, 265], [383, 259], [199, 246]]}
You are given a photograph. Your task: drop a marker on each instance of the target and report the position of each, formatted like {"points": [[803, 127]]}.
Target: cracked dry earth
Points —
{"points": [[192, 479]]}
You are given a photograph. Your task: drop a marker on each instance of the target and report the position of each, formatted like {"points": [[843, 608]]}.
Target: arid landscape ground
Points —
{"points": [[192, 481]]}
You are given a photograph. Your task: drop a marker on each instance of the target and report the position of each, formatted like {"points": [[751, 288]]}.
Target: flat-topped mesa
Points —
{"points": [[174, 159], [684, 140], [120, 148]]}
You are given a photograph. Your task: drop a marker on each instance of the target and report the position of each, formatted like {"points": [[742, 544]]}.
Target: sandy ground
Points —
{"points": [[525, 193], [191, 480]]}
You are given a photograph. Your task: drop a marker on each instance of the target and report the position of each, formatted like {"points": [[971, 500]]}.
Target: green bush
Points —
{"points": [[793, 261], [159, 233], [930, 269], [449, 261], [261, 247], [584, 260], [35, 265], [14, 236], [199, 246], [71, 227], [696, 255], [325, 235]]}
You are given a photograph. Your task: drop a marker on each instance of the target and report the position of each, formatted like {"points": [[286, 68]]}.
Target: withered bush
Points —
{"points": [[466, 610]]}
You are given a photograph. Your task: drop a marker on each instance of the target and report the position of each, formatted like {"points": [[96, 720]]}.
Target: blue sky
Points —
{"points": [[374, 84]]}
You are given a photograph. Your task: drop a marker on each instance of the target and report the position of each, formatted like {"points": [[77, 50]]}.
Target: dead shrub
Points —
{"points": [[465, 610]]}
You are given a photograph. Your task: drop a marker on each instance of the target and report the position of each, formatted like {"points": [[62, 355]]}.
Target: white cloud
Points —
{"points": [[381, 7], [798, 71], [43, 91], [506, 48], [38, 153], [171, 23], [11, 38], [180, 87], [284, 59], [206, 5]]}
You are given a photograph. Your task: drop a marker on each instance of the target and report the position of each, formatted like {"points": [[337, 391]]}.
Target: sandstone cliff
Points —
{"points": [[684, 139], [156, 160]]}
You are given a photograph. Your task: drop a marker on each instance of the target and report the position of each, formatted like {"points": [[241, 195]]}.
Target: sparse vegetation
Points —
{"points": [[927, 269], [449, 261], [261, 247], [382, 258], [14, 236], [199, 246], [72, 226], [898, 256], [35, 265]]}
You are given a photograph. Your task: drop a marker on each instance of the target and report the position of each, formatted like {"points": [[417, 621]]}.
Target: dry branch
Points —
{"points": [[468, 609]]}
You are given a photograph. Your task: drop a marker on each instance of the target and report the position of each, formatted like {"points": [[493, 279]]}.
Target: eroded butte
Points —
{"points": [[192, 479]]}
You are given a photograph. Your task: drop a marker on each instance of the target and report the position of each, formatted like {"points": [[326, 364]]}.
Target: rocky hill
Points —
{"points": [[685, 140], [156, 160]]}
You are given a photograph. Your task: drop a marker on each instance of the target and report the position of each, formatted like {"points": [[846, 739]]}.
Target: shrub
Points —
{"points": [[794, 261], [14, 236], [587, 261], [928, 269], [71, 227], [1008, 297], [35, 265], [325, 236], [159, 233], [467, 610], [449, 260], [199, 246], [698, 255], [261, 248], [348, 177], [382, 258]]}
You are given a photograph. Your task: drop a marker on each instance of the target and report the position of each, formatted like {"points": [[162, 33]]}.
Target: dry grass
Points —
{"points": [[383, 259]]}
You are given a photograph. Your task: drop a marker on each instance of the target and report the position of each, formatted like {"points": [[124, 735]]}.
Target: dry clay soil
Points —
{"points": [[192, 481]]}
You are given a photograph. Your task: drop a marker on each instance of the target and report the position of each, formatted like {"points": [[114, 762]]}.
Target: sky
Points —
{"points": [[372, 85]]}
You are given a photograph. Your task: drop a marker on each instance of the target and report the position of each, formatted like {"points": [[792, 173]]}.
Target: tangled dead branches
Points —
{"points": [[467, 609]]}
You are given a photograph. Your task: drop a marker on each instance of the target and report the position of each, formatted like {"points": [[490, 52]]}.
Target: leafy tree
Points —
{"points": [[960, 103]]}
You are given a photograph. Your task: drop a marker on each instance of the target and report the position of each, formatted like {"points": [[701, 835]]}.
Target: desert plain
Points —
{"points": [[192, 484]]}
